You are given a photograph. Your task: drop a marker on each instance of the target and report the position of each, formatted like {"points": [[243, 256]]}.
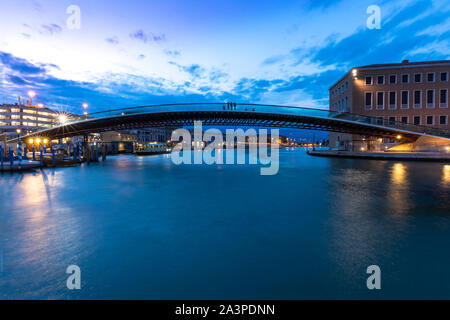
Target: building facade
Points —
{"points": [[408, 92], [25, 118]]}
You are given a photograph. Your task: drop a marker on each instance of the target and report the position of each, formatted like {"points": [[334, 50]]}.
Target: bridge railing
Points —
{"points": [[263, 108]]}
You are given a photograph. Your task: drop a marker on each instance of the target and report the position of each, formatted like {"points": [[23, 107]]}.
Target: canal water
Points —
{"points": [[144, 228]]}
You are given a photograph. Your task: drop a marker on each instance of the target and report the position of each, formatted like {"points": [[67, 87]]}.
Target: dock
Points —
{"points": [[25, 165], [381, 155]]}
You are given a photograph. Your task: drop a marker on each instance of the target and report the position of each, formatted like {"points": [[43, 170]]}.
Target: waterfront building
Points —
{"points": [[125, 140], [409, 92], [153, 135], [23, 119], [26, 118]]}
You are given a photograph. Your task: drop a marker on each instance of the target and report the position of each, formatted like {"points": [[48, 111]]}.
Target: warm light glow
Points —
{"points": [[354, 72], [446, 174], [447, 148], [85, 113], [38, 141], [399, 137], [31, 93], [45, 141], [85, 105], [30, 141], [40, 105], [362, 149], [399, 173], [18, 130], [62, 118]]}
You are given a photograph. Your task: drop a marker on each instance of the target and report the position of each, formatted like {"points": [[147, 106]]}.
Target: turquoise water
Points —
{"points": [[144, 228]]}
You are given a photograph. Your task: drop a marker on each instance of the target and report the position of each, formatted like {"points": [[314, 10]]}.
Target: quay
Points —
{"points": [[381, 155], [24, 166]]}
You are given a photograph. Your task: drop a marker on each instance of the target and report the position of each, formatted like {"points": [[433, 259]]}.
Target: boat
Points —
{"points": [[152, 149]]}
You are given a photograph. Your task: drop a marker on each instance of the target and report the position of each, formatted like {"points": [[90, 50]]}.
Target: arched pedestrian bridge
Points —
{"points": [[238, 115]]}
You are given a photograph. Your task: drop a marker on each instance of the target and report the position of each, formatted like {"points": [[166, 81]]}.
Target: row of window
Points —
{"points": [[405, 99], [405, 78], [417, 120], [341, 89], [341, 105], [38, 120]]}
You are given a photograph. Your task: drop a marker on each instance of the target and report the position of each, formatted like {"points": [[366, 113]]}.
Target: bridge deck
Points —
{"points": [[242, 115]]}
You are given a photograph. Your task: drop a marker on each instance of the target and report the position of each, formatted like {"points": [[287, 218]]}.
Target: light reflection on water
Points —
{"points": [[141, 227]]}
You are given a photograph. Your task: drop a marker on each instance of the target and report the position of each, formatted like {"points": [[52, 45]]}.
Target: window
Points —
{"points": [[392, 120], [417, 120], [393, 100], [418, 78], [405, 78], [430, 77], [393, 79], [430, 119], [380, 100], [368, 100], [380, 121], [346, 85], [405, 100], [443, 120], [417, 99], [369, 81], [430, 98], [380, 79], [443, 99], [404, 119], [444, 76]]}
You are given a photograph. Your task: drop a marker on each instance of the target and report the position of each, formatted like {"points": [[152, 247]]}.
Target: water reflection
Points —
{"points": [[446, 175], [398, 190]]}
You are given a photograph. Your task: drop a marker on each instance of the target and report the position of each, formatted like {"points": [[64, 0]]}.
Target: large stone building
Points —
{"points": [[408, 92]]}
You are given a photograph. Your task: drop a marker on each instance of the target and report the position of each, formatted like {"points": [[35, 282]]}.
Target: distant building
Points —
{"points": [[27, 118], [153, 135], [408, 92], [124, 140]]}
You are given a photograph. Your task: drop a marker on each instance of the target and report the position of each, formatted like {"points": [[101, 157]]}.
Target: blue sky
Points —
{"points": [[136, 52]]}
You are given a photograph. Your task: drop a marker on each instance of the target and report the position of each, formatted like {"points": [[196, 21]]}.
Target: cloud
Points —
{"points": [[147, 37], [20, 65], [51, 29], [112, 40], [17, 80], [194, 70], [273, 60], [172, 53]]}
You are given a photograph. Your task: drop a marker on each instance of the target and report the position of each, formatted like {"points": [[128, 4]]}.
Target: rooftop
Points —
{"points": [[405, 63]]}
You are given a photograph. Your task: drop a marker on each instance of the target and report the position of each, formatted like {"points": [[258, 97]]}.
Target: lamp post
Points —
{"points": [[85, 106], [31, 94]]}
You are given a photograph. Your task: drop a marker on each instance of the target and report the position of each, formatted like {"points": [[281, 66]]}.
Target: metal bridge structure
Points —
{"points": [[234, 115]]}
